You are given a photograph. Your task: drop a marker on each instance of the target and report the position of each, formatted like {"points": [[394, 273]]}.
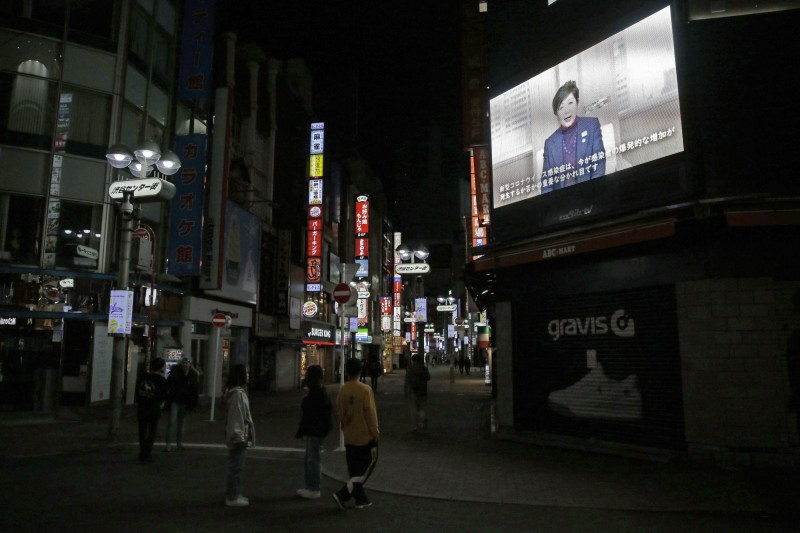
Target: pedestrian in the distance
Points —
{"points": [[240, 434], [416, 389], [183, 381], [151, 392], [375, 369], [358, 419], [315, 424]]}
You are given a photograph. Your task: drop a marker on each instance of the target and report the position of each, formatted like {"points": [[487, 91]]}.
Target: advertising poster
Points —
{"points": [[242, 254], [120, 312], [102, 353], [604, 365]]}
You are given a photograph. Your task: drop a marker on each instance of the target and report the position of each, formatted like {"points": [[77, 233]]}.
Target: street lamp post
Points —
{"points": [[140, 163], [447, 300], [406, 253]]}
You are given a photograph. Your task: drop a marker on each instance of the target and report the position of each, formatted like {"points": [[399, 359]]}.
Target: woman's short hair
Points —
{"points": [[314, 375], [237, 376], [353, 367], [569, 88]]}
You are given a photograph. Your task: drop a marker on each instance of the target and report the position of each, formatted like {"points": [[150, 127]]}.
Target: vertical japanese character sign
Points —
{"points": [[316, 165]]}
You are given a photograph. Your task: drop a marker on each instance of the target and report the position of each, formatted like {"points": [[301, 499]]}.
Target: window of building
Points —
{"points": [[90, 68], [162, 58], [24, 171], [83, 179], [138, 38], [27, 110], [166, 16], [158, 107], [83, 122], [91, 22], [44, 16], [19, 49], [77, 244], [21, 228]]}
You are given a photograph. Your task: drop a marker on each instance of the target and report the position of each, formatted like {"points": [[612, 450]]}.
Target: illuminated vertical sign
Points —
{"points": [[197, 50], [362, 215], [474, 75], [481, 186], [362, 236], [397, 314], [362, 251], [315, 201], [186, 210]]}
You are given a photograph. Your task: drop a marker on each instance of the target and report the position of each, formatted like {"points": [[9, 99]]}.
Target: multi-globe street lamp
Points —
{"points": [[446, 306], [144, 160], [407, 253]]}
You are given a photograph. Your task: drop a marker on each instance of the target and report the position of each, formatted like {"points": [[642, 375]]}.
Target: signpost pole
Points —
{"points": [[343, 295], [219, 321], [120, 341], [215, 358], [341, 370]]}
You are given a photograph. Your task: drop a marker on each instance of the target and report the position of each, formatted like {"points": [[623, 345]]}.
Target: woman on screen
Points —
{"points": [[574, 152]]}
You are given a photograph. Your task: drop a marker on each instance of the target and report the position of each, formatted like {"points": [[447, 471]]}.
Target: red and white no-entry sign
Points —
{"points": [[220, 320], [342, 293]]}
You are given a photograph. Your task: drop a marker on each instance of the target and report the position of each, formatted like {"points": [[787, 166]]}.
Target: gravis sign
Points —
{"points": [[620, 324]]}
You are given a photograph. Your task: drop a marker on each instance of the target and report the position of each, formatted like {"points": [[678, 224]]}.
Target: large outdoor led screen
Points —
{"points": [[610, 108]]}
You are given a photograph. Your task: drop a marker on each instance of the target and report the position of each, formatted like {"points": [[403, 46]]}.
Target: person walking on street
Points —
{"points": [[467, 364], [358, 419], [416, 388], [375, 370], [240, 434], [315, 424], [183, 381], [151, 392]]}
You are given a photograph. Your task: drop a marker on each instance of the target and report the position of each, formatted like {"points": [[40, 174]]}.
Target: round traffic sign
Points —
{"points": [[219, 320], [342, 293]]}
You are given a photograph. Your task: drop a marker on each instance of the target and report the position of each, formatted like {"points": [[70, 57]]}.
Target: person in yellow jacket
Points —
{"points": [[358, 419]]}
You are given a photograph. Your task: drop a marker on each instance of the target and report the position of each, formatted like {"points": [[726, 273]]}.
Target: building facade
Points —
{"points": [[642, 293], [78, 77]]}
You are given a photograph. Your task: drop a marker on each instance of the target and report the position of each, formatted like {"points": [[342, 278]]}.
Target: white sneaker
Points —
{"points": [[596, 396], [241, 501], [308, 494]]}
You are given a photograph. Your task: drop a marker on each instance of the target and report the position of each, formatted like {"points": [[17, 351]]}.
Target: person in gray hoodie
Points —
{"points": [[240, 434]]}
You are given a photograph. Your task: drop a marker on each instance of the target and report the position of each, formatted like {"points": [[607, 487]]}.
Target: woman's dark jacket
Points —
{"points": [[317, 409], [183, 388]]}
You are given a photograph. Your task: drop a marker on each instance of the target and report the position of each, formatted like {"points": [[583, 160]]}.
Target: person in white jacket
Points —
{"points": [[240, 434]]}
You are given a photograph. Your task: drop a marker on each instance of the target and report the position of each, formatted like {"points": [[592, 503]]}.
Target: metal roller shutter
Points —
{"points": [[603, 365]]}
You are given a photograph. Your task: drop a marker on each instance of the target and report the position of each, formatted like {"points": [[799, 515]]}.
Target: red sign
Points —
{"points": [[314, 244], [386, 305], [219, 320], [362, 214], [362, 247], [313, 270], [140, 233], [342, 293]]}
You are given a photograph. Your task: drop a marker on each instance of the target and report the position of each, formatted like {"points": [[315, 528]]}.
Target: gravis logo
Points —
{"points": [[620, 323]]}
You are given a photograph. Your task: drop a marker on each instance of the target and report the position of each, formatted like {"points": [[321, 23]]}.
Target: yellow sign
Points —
{"points": [[315, 166]]}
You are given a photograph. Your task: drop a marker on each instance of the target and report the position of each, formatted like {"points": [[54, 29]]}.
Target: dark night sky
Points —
{"points": [[394, 66]]}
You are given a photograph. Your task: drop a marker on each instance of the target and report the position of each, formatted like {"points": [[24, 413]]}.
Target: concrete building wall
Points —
{"points": [[505, 373], [733, 366]]}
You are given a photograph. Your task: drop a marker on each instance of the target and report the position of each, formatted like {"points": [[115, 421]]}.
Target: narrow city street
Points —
{"points": [[61, 475]]}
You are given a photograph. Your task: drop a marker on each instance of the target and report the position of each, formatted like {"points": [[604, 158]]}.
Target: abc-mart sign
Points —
{"points": [[412, 268]]}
